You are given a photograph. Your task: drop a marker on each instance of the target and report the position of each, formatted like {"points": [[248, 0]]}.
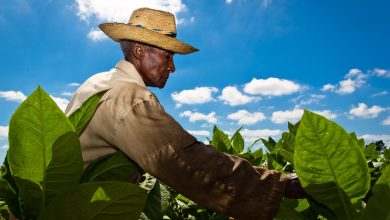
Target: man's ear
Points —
{"points": [[137, 50]]}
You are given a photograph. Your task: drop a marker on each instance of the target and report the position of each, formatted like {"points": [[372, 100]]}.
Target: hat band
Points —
{"points": [[169, 34]]}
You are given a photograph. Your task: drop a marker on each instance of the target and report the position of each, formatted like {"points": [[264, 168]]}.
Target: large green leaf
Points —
{"points": [[98, 200], [285, 147], [157, 201], [269, 144], [44, 152], [330, 165], [237, 142], [378, 205], [370, 153], [81, 117], [220, 140], [113, 167]]}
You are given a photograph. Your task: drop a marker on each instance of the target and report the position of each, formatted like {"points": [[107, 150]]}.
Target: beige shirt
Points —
{"points": [[130, 118]]}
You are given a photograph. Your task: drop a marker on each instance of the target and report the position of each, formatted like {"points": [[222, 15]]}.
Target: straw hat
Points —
{"points": [[150, 26]]}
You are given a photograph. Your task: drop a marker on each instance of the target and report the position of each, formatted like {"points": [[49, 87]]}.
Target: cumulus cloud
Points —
{"points": [[363, 111], [381, 72], [244, 117], [386, 121], [253, 135], [353, 80], [15, 96], [229, 1], [3, 132], [61, 102], [199, 95], [328, 87], [327, 114], [197, 116], [231, 96], [96, 35], [281, 117], [120, 10], [199, 132], [271, 87]]}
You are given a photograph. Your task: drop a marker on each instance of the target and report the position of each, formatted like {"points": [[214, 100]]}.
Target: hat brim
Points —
{"points": [[120, 31]]}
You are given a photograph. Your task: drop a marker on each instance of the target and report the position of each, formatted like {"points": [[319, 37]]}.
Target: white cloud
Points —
{"points": [[120, 10], [280, 117], [327, 114], [16, 96], [313, 99], [3, 132], [386, 121], [199, 95], [244, 117], [374, 137], [328, 87], [271, 87], [61, 102], [383, 93], [253, 135], [199, 133], [229, 1], [317, 96], [4, 147], [231, 96], [74, 84], [197, 116], [347, 86], [353, 73], [70, 94], [363, 111], [96, 35], [354, 79], [381, 72]]}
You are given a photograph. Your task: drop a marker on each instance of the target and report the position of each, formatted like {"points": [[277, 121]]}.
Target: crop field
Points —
{"points": [[43, 178]]}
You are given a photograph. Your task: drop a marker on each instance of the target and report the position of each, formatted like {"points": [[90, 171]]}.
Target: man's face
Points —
{"points": [[156, 64]]}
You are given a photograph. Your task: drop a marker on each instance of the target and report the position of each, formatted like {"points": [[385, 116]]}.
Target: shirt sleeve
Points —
{"points": [[225, 183]]}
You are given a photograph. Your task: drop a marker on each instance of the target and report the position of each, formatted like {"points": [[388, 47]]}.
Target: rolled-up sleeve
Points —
{"points": [[225, 183]]}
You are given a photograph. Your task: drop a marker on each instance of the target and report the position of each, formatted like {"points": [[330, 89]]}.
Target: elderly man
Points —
{"points": [[131, 119]]}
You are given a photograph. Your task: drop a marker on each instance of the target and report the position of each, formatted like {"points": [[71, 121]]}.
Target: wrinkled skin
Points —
{"points": [[154, 64]]}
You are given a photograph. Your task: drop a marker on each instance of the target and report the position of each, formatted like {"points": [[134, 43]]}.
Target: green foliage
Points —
{"points": [[331, 166], [81, 117], [8, 190], [97, 200], [113, 167], [377, 207], [42, 176], [44, 152], [158, 199]]}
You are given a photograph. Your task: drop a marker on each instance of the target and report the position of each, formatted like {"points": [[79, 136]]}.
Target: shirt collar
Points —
{"points": [[127, 69]]}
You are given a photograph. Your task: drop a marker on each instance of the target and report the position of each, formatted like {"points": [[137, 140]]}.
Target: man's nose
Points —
{"points": [[171, 65]]}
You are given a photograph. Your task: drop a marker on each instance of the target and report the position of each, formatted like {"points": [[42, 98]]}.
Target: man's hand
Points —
{"points": [[294, 189]]}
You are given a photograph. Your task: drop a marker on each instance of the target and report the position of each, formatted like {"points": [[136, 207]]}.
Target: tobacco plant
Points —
{"points": [[43, 177]]}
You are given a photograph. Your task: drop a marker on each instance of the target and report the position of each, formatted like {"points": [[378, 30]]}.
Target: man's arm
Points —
{"points": [[154, 140]]}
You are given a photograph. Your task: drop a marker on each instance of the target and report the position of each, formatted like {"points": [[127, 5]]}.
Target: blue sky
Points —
{"points": [[260, 61]]}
